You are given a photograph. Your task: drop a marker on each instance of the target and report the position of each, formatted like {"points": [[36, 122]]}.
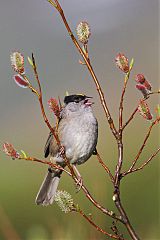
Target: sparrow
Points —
{"points": [[78, 134]]}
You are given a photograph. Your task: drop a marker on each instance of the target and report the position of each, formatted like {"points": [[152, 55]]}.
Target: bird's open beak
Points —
{"points": [[88, 101]]}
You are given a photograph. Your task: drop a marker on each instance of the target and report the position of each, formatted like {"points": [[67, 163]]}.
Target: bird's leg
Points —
{"points": [[61, 151], [79, 178]]}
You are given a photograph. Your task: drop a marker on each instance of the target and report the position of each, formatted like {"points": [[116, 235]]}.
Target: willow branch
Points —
{"points": [[105, 167], [32, 159], [117, 200], [122, 99], [85, 190], [88, 64], [47, 121], [136, 109], [97, 227], [143, 165], [131, 117], [155, 92], [100, 92], [144, 143], [119, 164]]}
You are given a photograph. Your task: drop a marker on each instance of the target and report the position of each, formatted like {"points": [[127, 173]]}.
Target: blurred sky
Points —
{"points": [[128, 26]]}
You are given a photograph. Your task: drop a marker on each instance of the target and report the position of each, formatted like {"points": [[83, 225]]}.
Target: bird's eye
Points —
{"points": [[76, 100]]}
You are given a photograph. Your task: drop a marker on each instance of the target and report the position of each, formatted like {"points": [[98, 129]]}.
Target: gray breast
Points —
{"points": [[79, 137]]}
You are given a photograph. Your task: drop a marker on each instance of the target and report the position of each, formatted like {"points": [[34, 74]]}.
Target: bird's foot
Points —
{"points": [[61, 151], [79, 183]]}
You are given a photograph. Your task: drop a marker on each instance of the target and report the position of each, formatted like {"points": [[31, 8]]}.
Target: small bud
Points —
{"points": [[144, 110], [64, 201], [17, 62], [9, 150], [142, 80], [158, 110], [20, 81], [83, 32], [114, 198], [53, 105], [143, 90], [122, 62], [30, 62]]}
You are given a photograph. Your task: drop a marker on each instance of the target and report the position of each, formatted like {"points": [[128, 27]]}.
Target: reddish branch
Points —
{"points": [[144, 144], [47, 121], [108, 115], [117, 134], [105, 167], [88, 195], [143, 165], [122, 100], [98, 228], [88, 64], [85, 190], [131, 117]]}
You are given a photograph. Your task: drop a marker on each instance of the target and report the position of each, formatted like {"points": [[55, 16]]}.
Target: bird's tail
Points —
{"points": [[48, 188]]}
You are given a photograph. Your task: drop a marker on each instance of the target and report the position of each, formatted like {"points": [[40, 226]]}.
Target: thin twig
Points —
{"points": [[136, 109], [88, 64], [144, 144], [122, 100], [119, 164], [155, 92], [105, 167], [32, 159], [40, 98], [47, 121], [85, 190], [143, 165], [131, 117], [101, 95], [97, 227], [117, 200]]}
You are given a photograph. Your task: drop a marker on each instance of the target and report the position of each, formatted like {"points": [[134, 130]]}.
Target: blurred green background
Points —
{"points": [[131, 27]]}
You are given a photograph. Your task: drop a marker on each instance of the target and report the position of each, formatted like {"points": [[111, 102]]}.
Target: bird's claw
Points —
{"points": [[79, 184], [61, 151]]}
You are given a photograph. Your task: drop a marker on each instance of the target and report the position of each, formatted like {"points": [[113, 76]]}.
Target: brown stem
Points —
{"points": [[116, 196], [101, 208], [143, 165], [99, 89], [105, 167], [122, 97], [155, 92], [97, 227], [44, 162], [121, 104], [131, 117], [116, 199], [85, 190], [119, 164], [136, 109], [46, 119], [144, 143], [104, 105]]}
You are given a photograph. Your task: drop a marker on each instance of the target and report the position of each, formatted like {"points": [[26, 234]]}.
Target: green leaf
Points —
{"points": [[30, 62], [131, 64], [158, 109], [24, 154]]}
